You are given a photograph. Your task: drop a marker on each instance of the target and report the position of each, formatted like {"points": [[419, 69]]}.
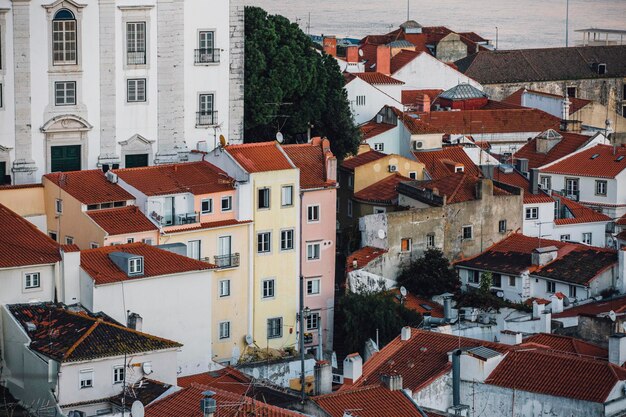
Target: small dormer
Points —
{"points": [[547, 140], [131, 264]]}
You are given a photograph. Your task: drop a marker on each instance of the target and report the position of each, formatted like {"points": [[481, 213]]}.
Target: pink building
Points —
{"points": [[318, 193]]}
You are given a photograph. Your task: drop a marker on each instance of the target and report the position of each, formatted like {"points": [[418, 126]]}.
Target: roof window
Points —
{"points": [[594, 156], [131, 264], [620, 158]]}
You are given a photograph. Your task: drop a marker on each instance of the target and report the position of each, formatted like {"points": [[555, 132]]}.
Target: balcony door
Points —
{"points": [[168, 211], [193, 249]]}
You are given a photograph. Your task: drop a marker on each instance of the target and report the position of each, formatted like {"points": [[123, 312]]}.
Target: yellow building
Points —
{"points": [[27, 201]]}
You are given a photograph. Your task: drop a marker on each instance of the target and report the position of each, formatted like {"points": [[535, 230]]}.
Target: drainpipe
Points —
{"points": [[301, 306], [456, 378]]}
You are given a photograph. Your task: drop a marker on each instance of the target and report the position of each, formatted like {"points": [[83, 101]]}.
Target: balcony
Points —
{"points": [[136, 58], [227, 261], [207, 56], [176, 220], [206, 118]]}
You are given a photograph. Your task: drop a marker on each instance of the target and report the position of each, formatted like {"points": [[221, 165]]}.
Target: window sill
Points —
{"points": [[206, 64]]}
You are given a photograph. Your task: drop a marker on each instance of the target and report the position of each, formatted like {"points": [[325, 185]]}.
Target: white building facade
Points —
{"points": [[118, 83]]}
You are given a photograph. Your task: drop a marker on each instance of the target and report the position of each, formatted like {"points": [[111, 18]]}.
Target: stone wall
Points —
{"points": [[237, 65]]}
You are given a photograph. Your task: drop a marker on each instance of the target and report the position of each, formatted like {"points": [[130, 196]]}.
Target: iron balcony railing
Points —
{"points": [[207, 56], [177, 219], [206, 118], [136, 58], [227, 261]]}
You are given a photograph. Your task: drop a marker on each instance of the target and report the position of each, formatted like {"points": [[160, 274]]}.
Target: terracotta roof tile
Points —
{"points": [[19, 186], [157, 262], [89, 186], [419, 304], [361, 159], [605, 165], [209, 225], [70, 248], [570, 143], [617, 304], [383, 192], [435, 161], [194, 177], [373, 129], [227, 379], [621, 221], [414, 124], [117, 221], [580, 213], [68, 336], [402, 58], [409, 97], [376, 78], [259, 157], [518, 180], [363, 257], [457, 188], [309, 158], [569, 345], [21, 243]]}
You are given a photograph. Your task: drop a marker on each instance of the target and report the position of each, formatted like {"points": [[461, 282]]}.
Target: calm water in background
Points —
{"points": [[521, 23]]}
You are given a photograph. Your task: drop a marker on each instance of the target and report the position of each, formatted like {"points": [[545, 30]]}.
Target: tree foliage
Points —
{"points": [[361, 313], [429, 275], [289, 85]]}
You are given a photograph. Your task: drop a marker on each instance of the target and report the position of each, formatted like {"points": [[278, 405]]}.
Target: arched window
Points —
{"points": [[64, 38]]}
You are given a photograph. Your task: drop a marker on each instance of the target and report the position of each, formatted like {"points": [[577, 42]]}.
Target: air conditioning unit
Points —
{"points": [[111, 177], [393, 168], [418, 144], [337, 379]]}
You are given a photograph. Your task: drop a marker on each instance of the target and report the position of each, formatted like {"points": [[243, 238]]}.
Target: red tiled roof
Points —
{"points": [[402, 58], [370, 401], [227, 379], [372, 129], [581, 213], [260, 156], [457, 188], [19, 186], [70, 248], [194, 177], [621, 221], [376, 78], [605, 165], [21, 243], [309, 158], [363, 257], [117, 221], [435, 161], [518, 180], [89, 186], [208, 225], [575, 103], [617, 304], [361, 159], [559, 375], [413, 124], [419, 304], [570, 143], [409, 97], [569, 345], [383, 192], [157, 262]]}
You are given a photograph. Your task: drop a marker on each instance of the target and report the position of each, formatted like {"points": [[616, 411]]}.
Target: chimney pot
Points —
{"points": [[617, 348], [405, 333]]}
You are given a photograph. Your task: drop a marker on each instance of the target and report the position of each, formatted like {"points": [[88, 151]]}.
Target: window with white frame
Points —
{"points": [[227, 203], [135, 265], [263, 242], [224, 288], [350, 180], [379, 146], [135, 43], [360, 100], [572, 291], [587, 238], [268, 288], [118, 374], [545, 182], [85, 378], [136, 90], [94, 245], [147, 241], [224, 330], [601, 187], [274, 327], [313, 286], [502, 226], [313, 321], [413, 175], [64, 93], [571, 188], [468, 232], [53, 235], [313, 214], [565, 237], [206, 115], [430, 240], [550, 286], [473, 276], [32, 280], [263, 198], [58, 206], [69, 240], [379, 210], [130, 240], [64, 38], [286, 196], [206, 206], [312, 251], [286, 239], [532, 213]]}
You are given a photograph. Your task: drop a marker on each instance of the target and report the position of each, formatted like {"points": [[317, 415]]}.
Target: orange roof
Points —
{"points": [[117, 221], [580, 213], [598, 161], [193, 177], [414, 124], [157, 262], [569, 345], [457, 188], [89, 186], [363, 257], [435, 161], [353, 162], [375, 78], [208, 225], [617, 304], [518, 180], [21, 243], [373, 129], [621, 221], [382, 192], [419, 304], [227, 379], [409, 97], [309, 158], [260, 156], [570, 143], [402, 58]]}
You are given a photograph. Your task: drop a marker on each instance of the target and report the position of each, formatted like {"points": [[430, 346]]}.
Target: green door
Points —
{"points": [[3, 172], [65, 158], [132, 161]]}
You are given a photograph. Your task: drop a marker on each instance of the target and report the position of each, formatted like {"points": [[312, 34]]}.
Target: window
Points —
{"points": [[601, 69], [286, 239], [136, 43], [135, 266], [147, 241], [286, 196], [0, 84], [587, 238], [532, 213], [224, 330], [565, 237], [350, 180], [85, 378], [274, 328], [64, 93], [545, 182], [360, 100], [58, 206], [380, 210], [94, 245], [430, 240], [313, 321], [227, 203], [206, 50], [313, 213], [600, 187], [207, 206], [69, 240], [512, 282], [473, 276], [405, 244], [118, 374], [268, 288], [263, 198], [313, 286], [224, 288], [130, 240], [193, 249], [349, 208], [32, 280], [572, 291], [206, 115], [64, 38], [468, 232], [312, 251], [263, 241], [379, 147], [502, 226], [136, 90], [459, 169], [571, 188], [413, 175], [550, 286], [53, 235], [571, 91], [496, 280]]}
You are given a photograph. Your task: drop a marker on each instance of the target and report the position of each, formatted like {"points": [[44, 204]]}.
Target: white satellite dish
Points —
{"points": [[612, 315], [360, 52], [137, 409], [249, 339], [403, 291], [381, 234], [279, 137], [146, 367]]}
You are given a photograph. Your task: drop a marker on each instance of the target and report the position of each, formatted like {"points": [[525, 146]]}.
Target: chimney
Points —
{"points": [[405, 334], [208, 405], [534, 180], [134, 321], [330, 161], [330, 45], [352, 368], [543, 256], [509, 337], [447, 308], [393, 382], [565, 109], [423, 103], [617, 348], [383, 59], [323, 378], [556, 304], [456, 378], [352, 54], [69, 291], [538, 309]]}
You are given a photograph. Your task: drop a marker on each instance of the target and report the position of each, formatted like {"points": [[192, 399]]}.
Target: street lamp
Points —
{"points": [[304, 314]]}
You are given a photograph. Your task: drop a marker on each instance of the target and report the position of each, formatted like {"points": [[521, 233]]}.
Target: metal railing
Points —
{"points": [[206, 118], [177, 219], [227, 261], [206, 56], [136, 58]]}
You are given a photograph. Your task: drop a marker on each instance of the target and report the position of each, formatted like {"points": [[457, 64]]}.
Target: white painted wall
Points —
{"points": [[427, 72], [551, 105], [544, 223], [391, 140], [597, 230], [12, 284], [376, 96]]}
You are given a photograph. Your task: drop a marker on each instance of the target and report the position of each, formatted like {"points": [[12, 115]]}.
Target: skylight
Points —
{"points": [[594, 156], [619, 158]]}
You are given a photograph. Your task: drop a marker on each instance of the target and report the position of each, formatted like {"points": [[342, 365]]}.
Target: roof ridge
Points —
{"points": [[131, 330], [81, 339]]}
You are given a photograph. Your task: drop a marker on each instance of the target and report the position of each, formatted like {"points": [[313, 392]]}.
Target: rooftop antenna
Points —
{"points": [[567, 23], [408, 10]]}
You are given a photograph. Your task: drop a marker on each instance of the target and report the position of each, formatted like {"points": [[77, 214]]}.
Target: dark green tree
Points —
{"points": [[429, 275], [290, 86]]}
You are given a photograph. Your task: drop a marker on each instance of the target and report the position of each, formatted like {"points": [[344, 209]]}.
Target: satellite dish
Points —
{"points": [[403, 291], [381, 234], [222, 141], [137, 409], [612, 315], [249, 339], [360, 52], [500, 294], [146, 367], [279, 137]]}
